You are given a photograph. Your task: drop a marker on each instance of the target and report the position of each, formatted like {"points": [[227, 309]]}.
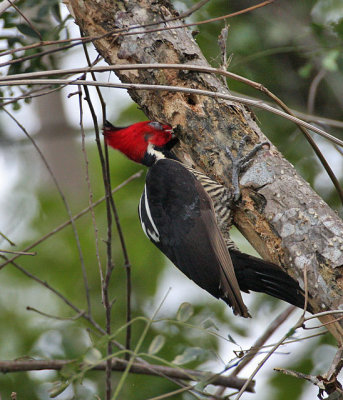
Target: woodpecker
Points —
{"points": [[186, 215]]}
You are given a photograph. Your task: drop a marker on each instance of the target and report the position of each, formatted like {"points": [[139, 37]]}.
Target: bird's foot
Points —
{"points": [[240, 162]]}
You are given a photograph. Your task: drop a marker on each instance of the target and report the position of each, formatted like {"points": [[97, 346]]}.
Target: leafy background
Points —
{"points": [[283, 46]]}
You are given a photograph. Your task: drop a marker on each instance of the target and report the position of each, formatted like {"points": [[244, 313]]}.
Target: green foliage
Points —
{"points": [[45, 24], [156, 344], [184, 312]]}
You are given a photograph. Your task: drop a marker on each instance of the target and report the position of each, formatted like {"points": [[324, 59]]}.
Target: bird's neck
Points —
{"points": [[155, 153]]}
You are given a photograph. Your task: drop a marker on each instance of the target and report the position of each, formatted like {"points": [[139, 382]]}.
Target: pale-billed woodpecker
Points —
{"points": [[187, 215]]}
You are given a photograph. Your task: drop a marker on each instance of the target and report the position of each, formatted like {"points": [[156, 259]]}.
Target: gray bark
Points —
{"points": [[280, 215]]}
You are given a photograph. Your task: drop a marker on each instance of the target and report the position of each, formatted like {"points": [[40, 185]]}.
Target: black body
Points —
{"points": [[177, 215]]}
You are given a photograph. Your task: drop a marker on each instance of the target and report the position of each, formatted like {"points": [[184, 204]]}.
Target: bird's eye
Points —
{"points": [[156, 125]]}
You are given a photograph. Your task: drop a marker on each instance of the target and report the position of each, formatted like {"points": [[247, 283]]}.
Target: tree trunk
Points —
{"points": [[280, 215]]}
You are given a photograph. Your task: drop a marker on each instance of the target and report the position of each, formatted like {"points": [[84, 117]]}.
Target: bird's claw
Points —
{"points": [[240, 162]]}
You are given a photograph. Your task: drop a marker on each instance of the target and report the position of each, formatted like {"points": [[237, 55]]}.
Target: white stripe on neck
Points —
{"points": [[157, 154]]}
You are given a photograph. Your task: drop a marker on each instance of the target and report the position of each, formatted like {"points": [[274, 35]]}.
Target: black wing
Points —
{"points": [[177, 216]]}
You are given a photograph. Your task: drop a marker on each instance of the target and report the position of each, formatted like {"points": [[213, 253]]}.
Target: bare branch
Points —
{"points": [[22, 253], [7, 239], [117, 32], [120, 365], [194, 8], [135, 86], [261, 340]]}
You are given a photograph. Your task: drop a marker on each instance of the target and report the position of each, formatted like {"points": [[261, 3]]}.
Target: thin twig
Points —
{"points": [[336, 365], [90, 192], [27, 20], [323, 324], [7, 239], [262, 339], [31, 94], [258, 345], [127, 266], [288, 115], [297, 325], [84, 315], [22, 253], [256, 85], [262, 88], [194, 8], [173, 393], [313, 90], [334, 123], [75, 217], [64, 200], [120, 232], [137, 86], [109, 265], [123, 32], [259, 366], [120, 365], [322, 314], [137, 348], [74, 318], [311, 378], [52, 289], [83, 146]]}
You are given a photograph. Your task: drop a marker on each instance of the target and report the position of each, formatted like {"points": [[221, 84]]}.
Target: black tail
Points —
{"points": [[262, 276]]}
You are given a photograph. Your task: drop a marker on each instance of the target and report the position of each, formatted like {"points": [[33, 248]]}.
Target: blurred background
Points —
{"points": [[295, 50]]}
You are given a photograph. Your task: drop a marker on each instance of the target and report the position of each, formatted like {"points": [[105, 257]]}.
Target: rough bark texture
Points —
{"points": [[281, 216]]}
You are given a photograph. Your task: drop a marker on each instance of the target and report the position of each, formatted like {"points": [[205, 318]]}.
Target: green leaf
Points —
{"points": [[209, 323], [305, 70], [43, 11], [92, 356], [103, 341], [58, 388], [12, 41], [327, 12], [231, 339], [156, 344], [190, 354], [16, 106], [184, 312], [27, 30], [69, 370], [56, 12], [330, 60], [338, 28]]}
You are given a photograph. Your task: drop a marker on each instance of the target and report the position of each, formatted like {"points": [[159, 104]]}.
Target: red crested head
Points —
{"points": [[139, 139]]}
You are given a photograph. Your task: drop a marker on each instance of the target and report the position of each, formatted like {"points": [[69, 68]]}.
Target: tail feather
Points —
{"points": [[262, 276]]}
